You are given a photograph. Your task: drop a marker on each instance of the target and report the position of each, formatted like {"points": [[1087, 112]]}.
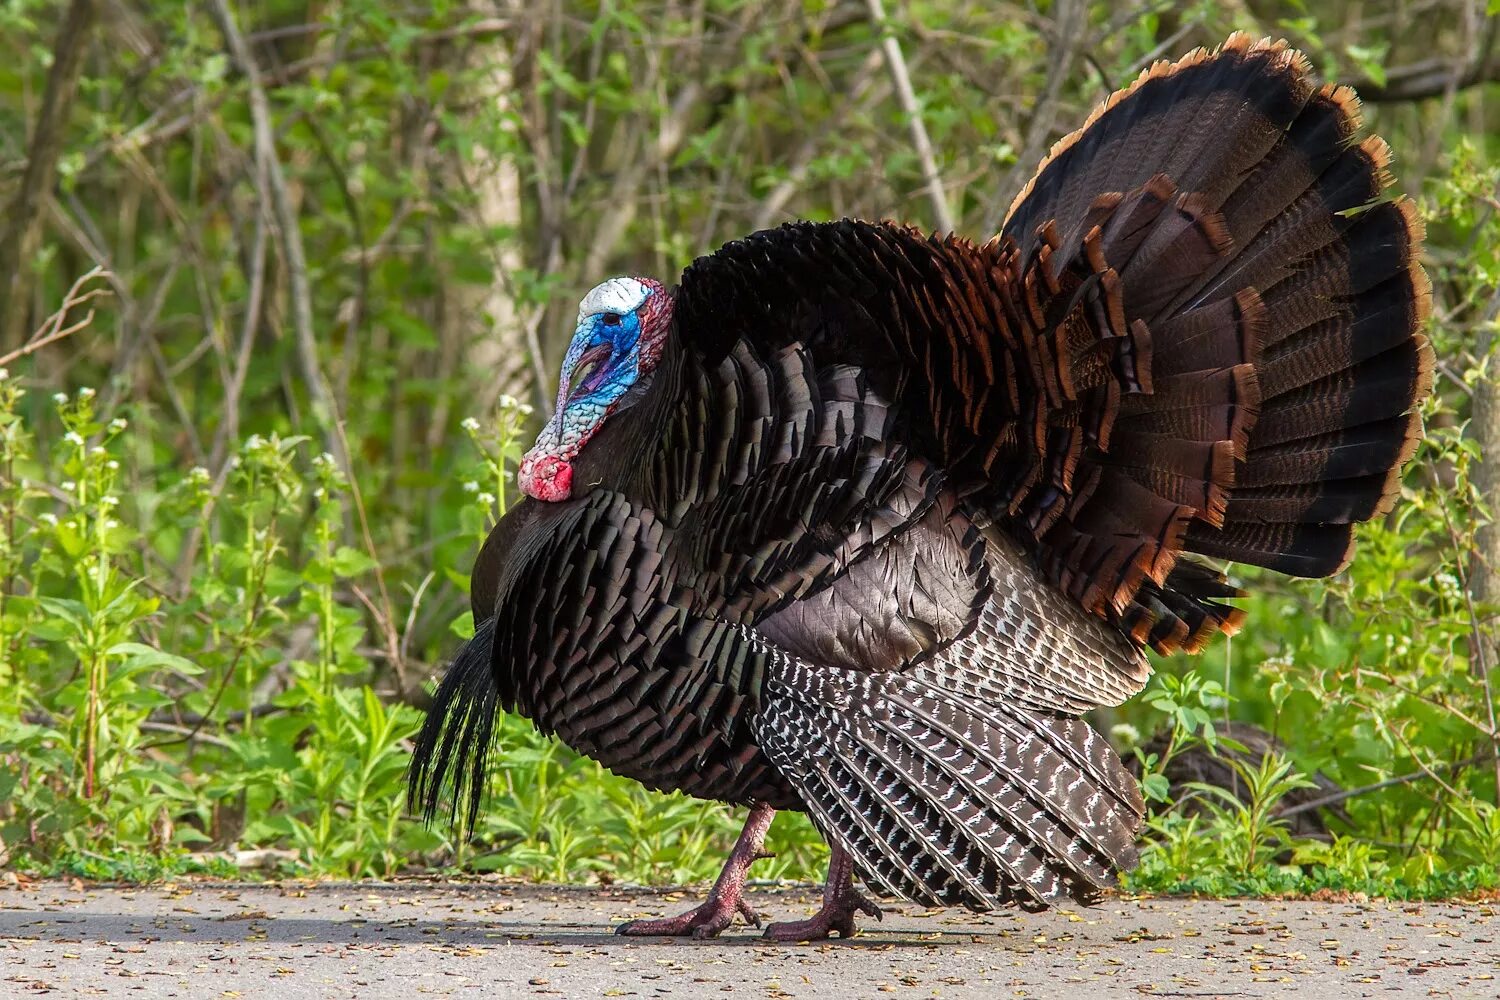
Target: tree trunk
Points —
{"points": [[1484, 574], [22, 225], [488, 329]]}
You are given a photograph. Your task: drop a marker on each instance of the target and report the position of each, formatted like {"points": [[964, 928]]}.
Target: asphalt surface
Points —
{"points": [[291, 940]]}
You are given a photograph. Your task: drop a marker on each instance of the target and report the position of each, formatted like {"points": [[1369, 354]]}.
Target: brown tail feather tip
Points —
{"points": [[1279, 53], [1390, 490], [1378, 152], [1208, 221], [1416, 234], [1349, 105]]}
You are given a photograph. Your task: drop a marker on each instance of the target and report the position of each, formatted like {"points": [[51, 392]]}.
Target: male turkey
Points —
{"points": [[859, 521]]}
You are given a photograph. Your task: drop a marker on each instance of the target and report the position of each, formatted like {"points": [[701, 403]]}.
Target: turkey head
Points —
{"points": [[622, 326]]}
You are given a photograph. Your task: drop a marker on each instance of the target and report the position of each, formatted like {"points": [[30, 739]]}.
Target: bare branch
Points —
{"points": [[53, 329], [896, 63], [1069, 31], [1346, 794], [286, 222]]}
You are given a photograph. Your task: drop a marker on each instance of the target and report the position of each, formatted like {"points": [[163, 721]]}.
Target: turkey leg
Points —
{"points": [[840, 902], [726, 898]]}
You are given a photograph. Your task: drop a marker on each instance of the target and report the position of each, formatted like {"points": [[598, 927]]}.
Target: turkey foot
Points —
{"points": [[840, 902], [725, 899]]}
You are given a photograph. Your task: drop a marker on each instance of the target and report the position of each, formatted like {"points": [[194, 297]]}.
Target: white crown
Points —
{"points": [[617, 295]]}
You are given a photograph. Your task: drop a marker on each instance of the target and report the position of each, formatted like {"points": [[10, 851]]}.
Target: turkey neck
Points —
{"points": [[614, 459], [618, 454]]}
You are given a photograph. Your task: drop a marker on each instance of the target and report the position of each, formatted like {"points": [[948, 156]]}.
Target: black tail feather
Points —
{"points": [[448, 762]]}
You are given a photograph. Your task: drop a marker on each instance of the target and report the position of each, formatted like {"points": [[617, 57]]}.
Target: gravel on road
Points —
{"points": [[293, 940]]}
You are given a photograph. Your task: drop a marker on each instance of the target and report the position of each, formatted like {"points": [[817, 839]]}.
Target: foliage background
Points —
{"points": [[315, 263]]}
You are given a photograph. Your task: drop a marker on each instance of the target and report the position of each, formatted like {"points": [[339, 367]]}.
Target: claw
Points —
{"points": [[716, 913], [840, 902], [705, 921]]}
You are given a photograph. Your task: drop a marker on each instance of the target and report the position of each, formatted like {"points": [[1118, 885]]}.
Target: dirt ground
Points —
{"points": [[366, 940]]}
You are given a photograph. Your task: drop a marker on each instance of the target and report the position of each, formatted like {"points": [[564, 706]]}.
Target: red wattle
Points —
{"points": [[546, 478]]}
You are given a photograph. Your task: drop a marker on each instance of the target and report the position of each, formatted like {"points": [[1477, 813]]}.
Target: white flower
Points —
{"points": [[68, 486], [48, 518], [109, 501], [1125, 733], [253, 442], [74, 438], [85, 394], [199, 473], [4, 374], [98, 449], [470, 424], [112, 465], [110, 523], [471, 487], [59, 398], [526, 409], [509, 402], [1447, 585], [488, 499], [118, 424]]}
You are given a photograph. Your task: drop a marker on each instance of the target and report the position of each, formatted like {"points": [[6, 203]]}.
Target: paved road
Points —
{"points": [[290, 941]]}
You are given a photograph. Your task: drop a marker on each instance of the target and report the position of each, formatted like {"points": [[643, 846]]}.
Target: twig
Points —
{"points": [[1403, 779], [298, 289], [229, 430], [51, 331], [896, 63], [386, 616], [1436, 77], [772, 204], [411, 616], [1066, 40]]}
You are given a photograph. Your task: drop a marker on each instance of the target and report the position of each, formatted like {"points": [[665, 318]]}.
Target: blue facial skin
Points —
{"points": [[612, 377]]}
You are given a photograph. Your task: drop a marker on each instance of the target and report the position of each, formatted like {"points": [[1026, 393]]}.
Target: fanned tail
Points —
{"points": [[1281, 298], [947, 800], [448, 761]]}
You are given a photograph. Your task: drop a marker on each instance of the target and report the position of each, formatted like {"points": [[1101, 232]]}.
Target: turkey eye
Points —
{"points": [[611, 319]]}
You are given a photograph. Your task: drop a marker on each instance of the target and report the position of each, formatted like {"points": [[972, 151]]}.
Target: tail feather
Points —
{"points": [[941, 797], [833, 787], [1367, 392], [937, 747], [1281, 295], [448, 761]]}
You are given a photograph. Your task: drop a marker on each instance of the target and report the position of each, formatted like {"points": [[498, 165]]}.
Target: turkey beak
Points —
{"points": [[587, 364]]}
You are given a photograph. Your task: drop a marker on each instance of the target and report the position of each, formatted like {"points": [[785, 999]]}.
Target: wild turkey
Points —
{"points": [[859, 521]]}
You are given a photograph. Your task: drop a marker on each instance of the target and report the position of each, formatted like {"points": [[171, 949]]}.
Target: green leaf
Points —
{"points": [[139, 656], [349, 562]]}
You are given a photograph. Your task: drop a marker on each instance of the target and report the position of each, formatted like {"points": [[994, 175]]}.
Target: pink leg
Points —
{"points": [[840, 902], [726, 898]]}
